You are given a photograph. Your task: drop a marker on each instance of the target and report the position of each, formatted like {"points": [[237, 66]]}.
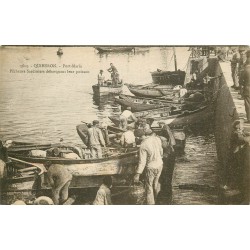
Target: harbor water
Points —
{"points": [[45, 107]]}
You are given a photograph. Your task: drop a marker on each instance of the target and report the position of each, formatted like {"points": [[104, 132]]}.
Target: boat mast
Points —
{"points": [[175, 61]]}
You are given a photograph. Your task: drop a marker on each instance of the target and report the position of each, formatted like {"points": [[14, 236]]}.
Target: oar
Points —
{"points": [[25, 162]]}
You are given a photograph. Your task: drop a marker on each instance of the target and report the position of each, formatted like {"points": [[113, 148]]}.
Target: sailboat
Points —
{"points": [[164, 77], [163, 83]]}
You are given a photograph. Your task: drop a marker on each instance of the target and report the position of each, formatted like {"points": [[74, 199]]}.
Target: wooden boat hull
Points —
{"points": [[151, 93], [89, 172], [187, 118], [105, 90], [138, 104], [21, 180], [114, 49], [168, 77], [135, 107]]}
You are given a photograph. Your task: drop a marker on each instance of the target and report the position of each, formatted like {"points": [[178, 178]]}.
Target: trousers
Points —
{"points": [[152, 176], [96, 151], [60, 194], [247, 106]]}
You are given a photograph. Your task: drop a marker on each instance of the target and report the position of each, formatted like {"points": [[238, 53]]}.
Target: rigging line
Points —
{"points": [[171, 59]]}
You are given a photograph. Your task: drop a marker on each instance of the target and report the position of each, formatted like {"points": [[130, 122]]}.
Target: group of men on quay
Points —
{"points": [[240, 67]]}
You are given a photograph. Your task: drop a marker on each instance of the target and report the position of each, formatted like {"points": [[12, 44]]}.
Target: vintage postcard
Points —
{"points": [[128, 125]]}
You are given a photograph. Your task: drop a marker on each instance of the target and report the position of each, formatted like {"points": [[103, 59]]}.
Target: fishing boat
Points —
{"points": [[87, 172], [173, 78], [175, 118], [59, 52], [114, 49], [107, 88], [150, 91], [179, 135], [21, 180], [138, 104]]}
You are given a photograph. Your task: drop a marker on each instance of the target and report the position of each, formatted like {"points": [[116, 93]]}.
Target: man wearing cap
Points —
{"points": [[128, 138], [59, 179], [168, 143], [125, 117], [101, 78], [96, 140], [3, 158], [246, 86], [239, 140], [234, 68], [241, 70], [150, 162], [114, 74], [143, 124]]}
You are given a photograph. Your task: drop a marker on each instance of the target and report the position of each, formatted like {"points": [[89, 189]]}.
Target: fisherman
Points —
{"points": [[183, 92], [239, 140], [101, 78], [103, 196], [207, 86], [104, 128], [114, 74], [128, 138], [59, 179], [142, 124], [241, 70], [4, 150], [4, 158], [168, 143], [150, 159], [96, 140], [125, 117], [246, 86], [234, 68]]}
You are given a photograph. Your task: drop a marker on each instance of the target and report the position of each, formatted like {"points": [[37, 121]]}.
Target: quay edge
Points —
{"points": [[229, 108]]}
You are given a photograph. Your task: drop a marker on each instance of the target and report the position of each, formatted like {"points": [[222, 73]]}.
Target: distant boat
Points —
{"points": [[164, 77], [107, 88], [114, 49], [59, 52]]}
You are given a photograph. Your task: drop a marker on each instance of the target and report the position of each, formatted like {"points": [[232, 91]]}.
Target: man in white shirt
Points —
{"points": [[96, 140], [128, 138], [125, 117], [103, 196], [150, 159], [101, 78]]}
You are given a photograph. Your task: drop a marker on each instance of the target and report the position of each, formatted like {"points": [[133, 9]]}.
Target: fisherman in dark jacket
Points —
{"points": [[246, 86], [168, 142], [239, 141], [4, 156]]}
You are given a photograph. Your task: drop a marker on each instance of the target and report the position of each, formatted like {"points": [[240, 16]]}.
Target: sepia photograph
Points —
{"points": [[125, 125]]}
